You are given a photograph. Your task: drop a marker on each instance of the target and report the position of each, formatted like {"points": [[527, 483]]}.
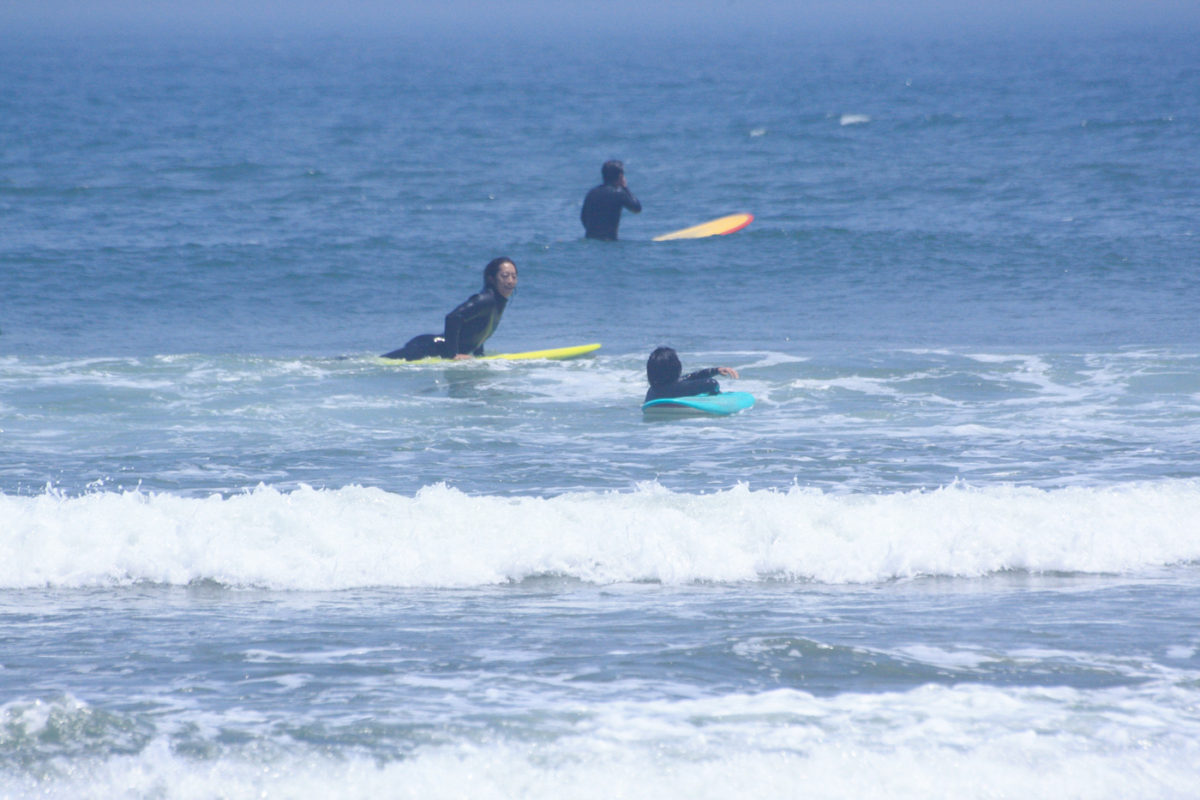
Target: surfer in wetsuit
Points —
{"points": [[663, 369], [469, 325], [601, 212]]}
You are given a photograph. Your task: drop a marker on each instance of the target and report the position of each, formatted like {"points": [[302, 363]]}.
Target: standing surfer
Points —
{"points": [[469, 325], [601, 212]]}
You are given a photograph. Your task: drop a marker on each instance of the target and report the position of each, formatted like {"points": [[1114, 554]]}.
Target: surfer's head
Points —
{"points": [[500, 274], [663, 367], [612, 171]]}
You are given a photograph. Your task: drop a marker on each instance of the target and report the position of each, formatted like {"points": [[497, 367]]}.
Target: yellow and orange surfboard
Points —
{"points": [[715, 227]]}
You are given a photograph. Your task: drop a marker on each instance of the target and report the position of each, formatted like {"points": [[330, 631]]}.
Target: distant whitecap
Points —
{"points": [[854, 119]]}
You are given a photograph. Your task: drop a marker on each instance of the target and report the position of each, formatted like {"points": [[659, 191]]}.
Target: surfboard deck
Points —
{"points": [[720, 405], [715, 227], [554, 354]]}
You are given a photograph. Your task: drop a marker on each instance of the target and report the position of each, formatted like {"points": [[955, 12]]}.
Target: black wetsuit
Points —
{"points": [[467, 328], [694, 383], [601, 212]]}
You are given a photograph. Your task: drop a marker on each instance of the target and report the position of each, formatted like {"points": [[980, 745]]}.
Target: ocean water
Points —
{"points": [[953, 550]]}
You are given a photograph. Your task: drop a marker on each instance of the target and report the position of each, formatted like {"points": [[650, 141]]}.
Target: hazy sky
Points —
{"points": [[596, 16]]}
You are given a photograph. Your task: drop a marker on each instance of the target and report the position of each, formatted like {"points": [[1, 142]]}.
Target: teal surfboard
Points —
{"points": [[719, 405]]}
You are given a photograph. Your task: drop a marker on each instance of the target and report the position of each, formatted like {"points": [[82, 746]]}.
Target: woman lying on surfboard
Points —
{"points": [[663, 368], [469, 325]]}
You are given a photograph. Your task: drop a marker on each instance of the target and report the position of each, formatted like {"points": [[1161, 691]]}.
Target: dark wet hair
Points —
{"points": [[493, 269], [612, 171], [663, 367]]}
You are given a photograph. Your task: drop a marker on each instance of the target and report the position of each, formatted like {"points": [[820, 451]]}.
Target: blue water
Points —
{"points": [[951, 551]]}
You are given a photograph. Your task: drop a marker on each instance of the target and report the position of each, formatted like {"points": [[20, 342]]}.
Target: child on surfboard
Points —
{"points": [[663, 371]]}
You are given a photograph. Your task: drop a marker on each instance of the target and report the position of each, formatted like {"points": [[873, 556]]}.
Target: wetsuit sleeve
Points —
{"points": [[698, 382], [475, 306], [630, 202]]}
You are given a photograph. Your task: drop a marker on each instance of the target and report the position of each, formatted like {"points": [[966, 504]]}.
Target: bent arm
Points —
{"points": [[629, 201], [701, 374], [710, 372]]}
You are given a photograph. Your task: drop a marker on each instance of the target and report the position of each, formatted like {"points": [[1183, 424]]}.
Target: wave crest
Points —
{"points": [[329, 539]]}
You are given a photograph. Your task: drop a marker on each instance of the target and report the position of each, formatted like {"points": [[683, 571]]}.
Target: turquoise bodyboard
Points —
{"points": [[720, 405]]}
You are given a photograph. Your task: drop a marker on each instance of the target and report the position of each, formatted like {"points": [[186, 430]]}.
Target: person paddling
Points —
{"points": [[663, 369]]}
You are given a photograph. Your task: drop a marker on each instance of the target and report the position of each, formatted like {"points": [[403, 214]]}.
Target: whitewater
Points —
{"points": [[356, 537]]}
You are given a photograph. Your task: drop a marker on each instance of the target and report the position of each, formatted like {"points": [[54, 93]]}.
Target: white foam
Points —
{"points": [[355, 537], [958, 659], [934, 741]]}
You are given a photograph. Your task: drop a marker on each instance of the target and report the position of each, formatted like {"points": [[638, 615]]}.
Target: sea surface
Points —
{"points": [[952, 552]]}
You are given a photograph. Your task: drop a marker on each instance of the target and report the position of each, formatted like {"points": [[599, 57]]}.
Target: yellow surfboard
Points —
{"points": [[715, 227], [554, 353]]}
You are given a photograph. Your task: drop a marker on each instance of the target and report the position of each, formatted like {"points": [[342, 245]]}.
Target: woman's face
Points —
{"points": [[506, 279]]}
